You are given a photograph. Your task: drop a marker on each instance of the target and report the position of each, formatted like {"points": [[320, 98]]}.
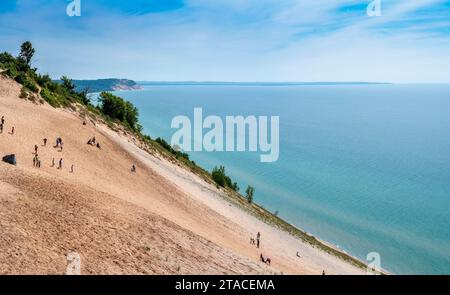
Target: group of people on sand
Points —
{"points": [[2, 126], [263, 259], [257, 242], [92, 141], [36, 160], [58, 145]]}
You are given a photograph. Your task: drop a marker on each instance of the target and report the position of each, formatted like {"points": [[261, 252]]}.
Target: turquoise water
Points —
{"points": [[365, 167]]}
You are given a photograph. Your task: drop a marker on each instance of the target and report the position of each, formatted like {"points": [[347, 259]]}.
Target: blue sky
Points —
{"points": [[234, 40]]}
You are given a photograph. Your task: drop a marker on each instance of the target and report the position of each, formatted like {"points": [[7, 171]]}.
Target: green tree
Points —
{"points": [[68, 84], [84, 95], [131, 115], [250, 191], [117, 108], [218, 175], [113, 106], [26, 52]]}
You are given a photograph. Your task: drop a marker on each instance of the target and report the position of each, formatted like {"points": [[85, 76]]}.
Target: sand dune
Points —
{"points": [[160, 220]]}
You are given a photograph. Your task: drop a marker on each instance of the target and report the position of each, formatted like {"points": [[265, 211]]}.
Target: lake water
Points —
{"points": [[365, 167]]}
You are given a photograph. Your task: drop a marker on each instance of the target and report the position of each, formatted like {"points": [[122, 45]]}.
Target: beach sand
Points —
{"points": [[160, 220]]}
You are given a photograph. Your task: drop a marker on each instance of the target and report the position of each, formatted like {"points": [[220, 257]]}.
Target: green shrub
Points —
{"points": [[168, 147], [21, 78], [23, 93], [118, 109], [31, 86], [218, 175], [50, 97], [222, 179], [249, 192]]}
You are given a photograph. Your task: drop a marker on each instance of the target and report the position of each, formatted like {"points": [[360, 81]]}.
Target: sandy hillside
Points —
{"points": [[161, 219]]}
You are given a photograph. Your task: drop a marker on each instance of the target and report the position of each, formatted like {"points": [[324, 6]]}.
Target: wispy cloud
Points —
{"points": [[245, 40]]}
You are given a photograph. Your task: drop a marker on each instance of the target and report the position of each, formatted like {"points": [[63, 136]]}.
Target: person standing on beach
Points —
{"points": [[45, 141], [12, 130], [61, 146], [3, 120], [1, 128], [71, 169], [34, 160], [35, 149], [60, 163], [53, 162]]}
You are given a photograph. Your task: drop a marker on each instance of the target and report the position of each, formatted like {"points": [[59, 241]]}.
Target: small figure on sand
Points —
{"points": [[133, 168], [61, 146], [60, 163], [53, 162], [92, 141], [323, 272], [258, 237], [2, 123], [58, 142], [298, 255], [252, 241], [35, 149], [36, 161], [266, 261], [71, 169], [45, 141], [12, 131]]}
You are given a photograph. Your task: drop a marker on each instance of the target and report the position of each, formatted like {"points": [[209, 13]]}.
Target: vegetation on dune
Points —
{"points": [[170, 149], [249, 194], [26, 52], [222, 179], [118, 109]]}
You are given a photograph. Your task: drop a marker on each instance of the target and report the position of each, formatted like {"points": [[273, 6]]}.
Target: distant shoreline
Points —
{"points": [[217, 83]]}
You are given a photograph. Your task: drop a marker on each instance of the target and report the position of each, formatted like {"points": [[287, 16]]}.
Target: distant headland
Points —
{"points": [[99, 85]]}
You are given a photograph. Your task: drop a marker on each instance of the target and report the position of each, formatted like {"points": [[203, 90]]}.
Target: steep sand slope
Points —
{"points": [[159, 220]]}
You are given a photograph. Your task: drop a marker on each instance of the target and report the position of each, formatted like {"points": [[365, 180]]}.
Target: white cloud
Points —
{"points": [[235, 40]]}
